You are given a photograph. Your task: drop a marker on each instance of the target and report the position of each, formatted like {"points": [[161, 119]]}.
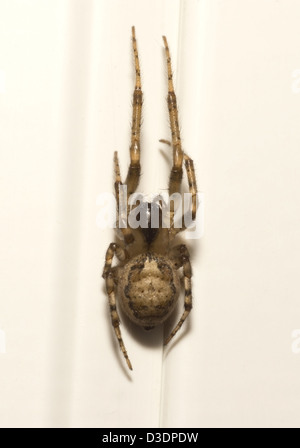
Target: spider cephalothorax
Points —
{"points": [[147, 280]]}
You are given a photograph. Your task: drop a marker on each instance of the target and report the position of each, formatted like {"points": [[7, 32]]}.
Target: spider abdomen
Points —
{"points": [[148, 289]]}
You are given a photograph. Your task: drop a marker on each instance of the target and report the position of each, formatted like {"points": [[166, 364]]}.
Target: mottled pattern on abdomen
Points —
{"points": [[148, 289]]}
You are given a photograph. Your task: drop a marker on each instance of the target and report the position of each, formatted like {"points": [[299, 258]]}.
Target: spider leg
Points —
{"points": [[176, 171], [114, 249], [167, 142], [183, 259], [191, 177], [134, 170], [118, 181], [190, 170], [188, 216], [126, 231]]}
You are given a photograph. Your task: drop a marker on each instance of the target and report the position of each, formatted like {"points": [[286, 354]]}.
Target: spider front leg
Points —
{"points": [[183, 260], [176, 171], [178, 155], [134, 170], [121, 254]]}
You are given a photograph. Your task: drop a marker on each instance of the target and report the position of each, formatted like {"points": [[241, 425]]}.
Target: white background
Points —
{"points": [[66, 81]]}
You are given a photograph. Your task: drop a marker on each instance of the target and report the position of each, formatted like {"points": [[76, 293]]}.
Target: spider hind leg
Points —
{"points": [[114, 249], [183, 260]]}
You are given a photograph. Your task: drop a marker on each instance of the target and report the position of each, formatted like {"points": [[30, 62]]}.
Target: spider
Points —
{"points": [[147, 281]]}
